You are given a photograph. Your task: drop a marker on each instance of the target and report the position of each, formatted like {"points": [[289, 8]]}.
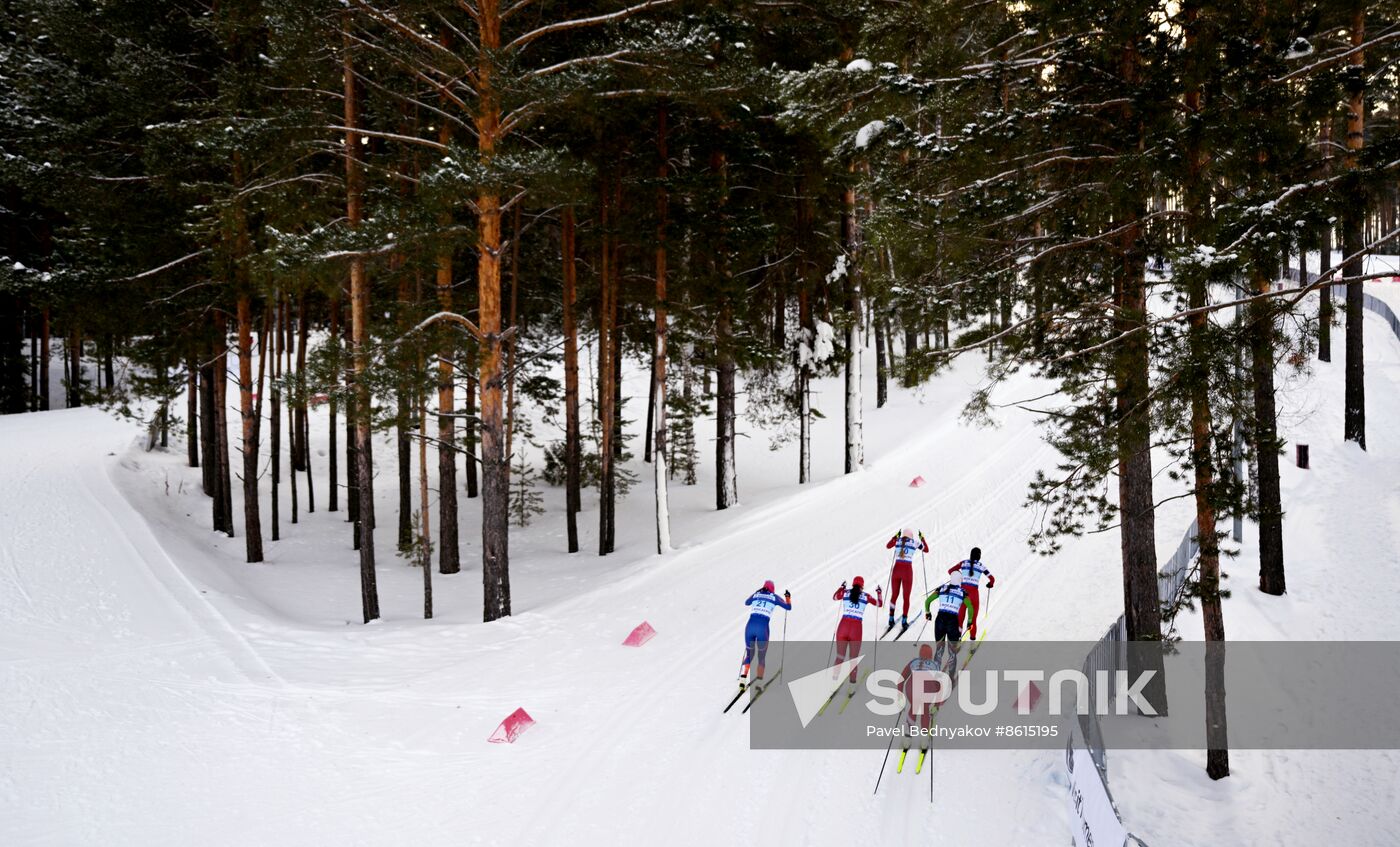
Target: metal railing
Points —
{"points": [[1370, 302]]}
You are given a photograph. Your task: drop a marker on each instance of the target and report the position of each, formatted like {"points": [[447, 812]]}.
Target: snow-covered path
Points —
{"points": [[164, 704], [157, 690]]}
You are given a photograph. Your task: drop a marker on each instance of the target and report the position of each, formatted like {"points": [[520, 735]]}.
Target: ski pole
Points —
{"points": [[886, 761], [783, 656], [890, 746]]}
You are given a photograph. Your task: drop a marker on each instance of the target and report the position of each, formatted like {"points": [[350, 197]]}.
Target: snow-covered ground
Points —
{"points": [[158, 690]]}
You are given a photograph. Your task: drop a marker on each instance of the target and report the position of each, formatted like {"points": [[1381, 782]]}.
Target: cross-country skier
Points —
{"points": [[852, 627], [918, 716], [902, 577], [970, 571], [950, 597], [762, 602]]}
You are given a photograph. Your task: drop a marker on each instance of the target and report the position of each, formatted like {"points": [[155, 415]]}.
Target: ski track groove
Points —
{"points": [[988, 526]]}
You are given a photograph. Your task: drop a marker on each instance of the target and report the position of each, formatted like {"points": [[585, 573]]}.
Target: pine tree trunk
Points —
{"points": [[726, 475], [209, 435], [1353, 223], [75, 380], [606, 408], [252, 523], [108, 363], [651, 411], [425, 559], [572, 482], [495, 484], [1266, 440], [303, 424], [1324, 294], [1196, 195], [449, 548], [352, 485], [284, 330], [804, 396], [855, 437], [656, 416], [332, 457], [469, 423], [881, 366], [225, 478], [275, 418], [1132, 384], [192, 411], [45, 352], [359, 333], [402, 420]]}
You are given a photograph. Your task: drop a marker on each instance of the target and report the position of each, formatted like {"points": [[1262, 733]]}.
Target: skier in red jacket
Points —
{"points": [[902, 577], [852, 627], [970, 571]]}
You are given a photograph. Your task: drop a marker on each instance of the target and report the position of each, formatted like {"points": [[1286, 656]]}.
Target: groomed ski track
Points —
{"points": [[160, 691]]}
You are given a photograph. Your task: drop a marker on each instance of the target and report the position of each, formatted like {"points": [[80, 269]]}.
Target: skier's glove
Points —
{"points": [[928, 616], [787, 595], [991, 581]]}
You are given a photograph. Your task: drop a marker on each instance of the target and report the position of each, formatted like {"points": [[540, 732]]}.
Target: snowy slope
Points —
{"points": [[164, 692], [1341, 534]]}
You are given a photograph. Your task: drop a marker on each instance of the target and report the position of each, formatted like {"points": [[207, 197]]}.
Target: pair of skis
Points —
{"points": [[890, 628], [850, 695], [918, 768], [755, 690]]}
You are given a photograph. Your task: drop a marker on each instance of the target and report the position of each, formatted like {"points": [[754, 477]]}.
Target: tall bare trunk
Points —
{"points": [[275, 417], [1196, 193], [359, 335], [225, 476], [495, 485], [402, 438], [1132, 383], [1266, 440], [449, 547], [1324, 249], [726, 473], [45, 352], [657, 414], [607, 411], [332, 455], [804, 397], [303, 426], [855, 435], [209, 434], [572, 482], [191, 410], [252, 522], [284, 330], [1353, 225], [469, 423]]}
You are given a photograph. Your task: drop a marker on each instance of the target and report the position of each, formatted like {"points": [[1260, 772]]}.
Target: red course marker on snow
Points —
{"points": [[916, 482], [511, 727], [641, 635], [1028, 699]]}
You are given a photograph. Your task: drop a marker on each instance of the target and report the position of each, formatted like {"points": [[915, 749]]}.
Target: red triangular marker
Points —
{"points": [[511, 727], [916, 482], [1028, 699], [639, 636]]}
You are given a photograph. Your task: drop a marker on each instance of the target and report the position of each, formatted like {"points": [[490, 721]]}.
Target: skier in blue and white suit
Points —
{"points": [[761, 602]]}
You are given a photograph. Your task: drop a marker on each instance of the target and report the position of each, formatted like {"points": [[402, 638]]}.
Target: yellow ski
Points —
{"points": [[900, 767], [919, 767]]}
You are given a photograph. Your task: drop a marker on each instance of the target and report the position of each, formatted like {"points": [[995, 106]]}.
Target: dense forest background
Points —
{"points": [[416, 212]]}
